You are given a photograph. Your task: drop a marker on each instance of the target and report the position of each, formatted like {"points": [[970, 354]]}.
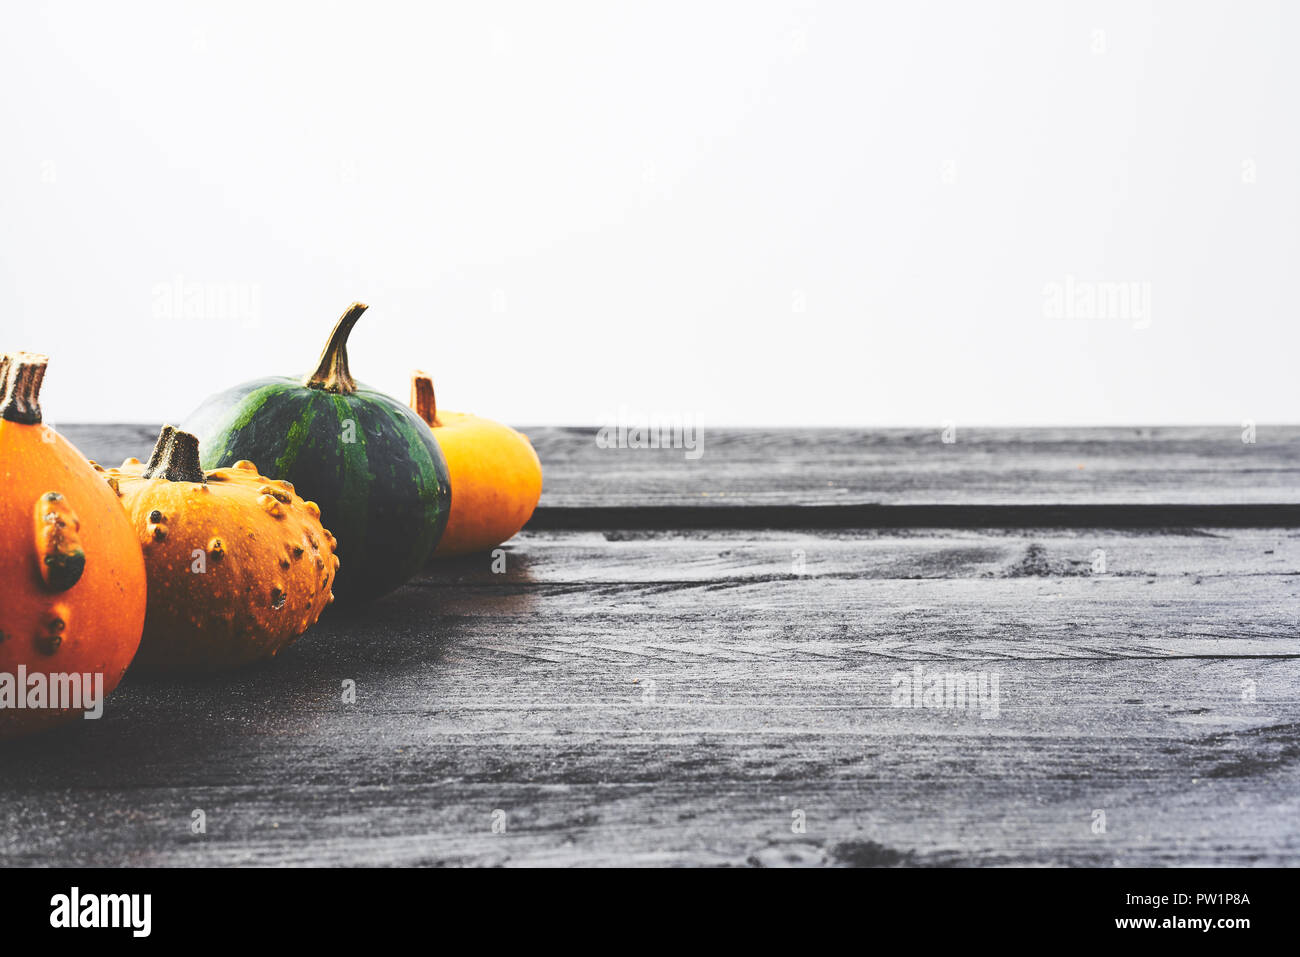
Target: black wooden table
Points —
{"points": [[699, 662]]}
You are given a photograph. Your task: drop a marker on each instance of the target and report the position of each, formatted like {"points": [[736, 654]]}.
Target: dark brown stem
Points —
{"points": [[20, 386], [175, 458], [422, 399], [332, 373], [156, 456]]}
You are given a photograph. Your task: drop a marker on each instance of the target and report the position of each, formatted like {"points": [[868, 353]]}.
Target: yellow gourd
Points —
{"points": [[496, 477]]}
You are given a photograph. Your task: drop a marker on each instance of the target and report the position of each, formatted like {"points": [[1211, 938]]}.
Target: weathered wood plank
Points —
{"points": [[1185, 771], [842, 467], [718, 555], [902, 467], [110, 444], [618, 714]]}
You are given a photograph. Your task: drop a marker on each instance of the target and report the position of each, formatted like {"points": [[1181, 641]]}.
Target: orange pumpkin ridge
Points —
{"points": [[72, 579]]}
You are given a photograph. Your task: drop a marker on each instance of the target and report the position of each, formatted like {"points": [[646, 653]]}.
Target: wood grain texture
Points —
{"points": [[629, 690], [676, 697], [841, 467], [901, 467]]}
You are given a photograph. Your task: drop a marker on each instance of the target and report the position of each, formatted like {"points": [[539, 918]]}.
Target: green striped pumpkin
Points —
{"points": [[370, 463]]}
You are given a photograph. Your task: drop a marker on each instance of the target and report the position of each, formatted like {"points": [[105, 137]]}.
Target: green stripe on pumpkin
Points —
{"points": [[385, 495]]}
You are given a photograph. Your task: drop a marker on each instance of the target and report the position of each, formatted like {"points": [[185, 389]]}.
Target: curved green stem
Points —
{"points": [[332, 372]]}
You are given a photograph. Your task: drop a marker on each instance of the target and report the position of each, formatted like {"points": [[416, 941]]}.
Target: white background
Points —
{"points": [[750, 213]]}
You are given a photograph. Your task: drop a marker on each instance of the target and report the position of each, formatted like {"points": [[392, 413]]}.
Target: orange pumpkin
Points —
{"points": [[239, 566], [496, 477], [72, 581]]}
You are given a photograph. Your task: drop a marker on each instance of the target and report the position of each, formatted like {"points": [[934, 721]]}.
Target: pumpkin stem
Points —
{"points": [[332, 373], [20, 386], [422, 400], [175, 458], [156, 456]]}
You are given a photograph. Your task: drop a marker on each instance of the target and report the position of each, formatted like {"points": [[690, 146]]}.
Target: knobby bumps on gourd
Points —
{"points": [[247, 591]]}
